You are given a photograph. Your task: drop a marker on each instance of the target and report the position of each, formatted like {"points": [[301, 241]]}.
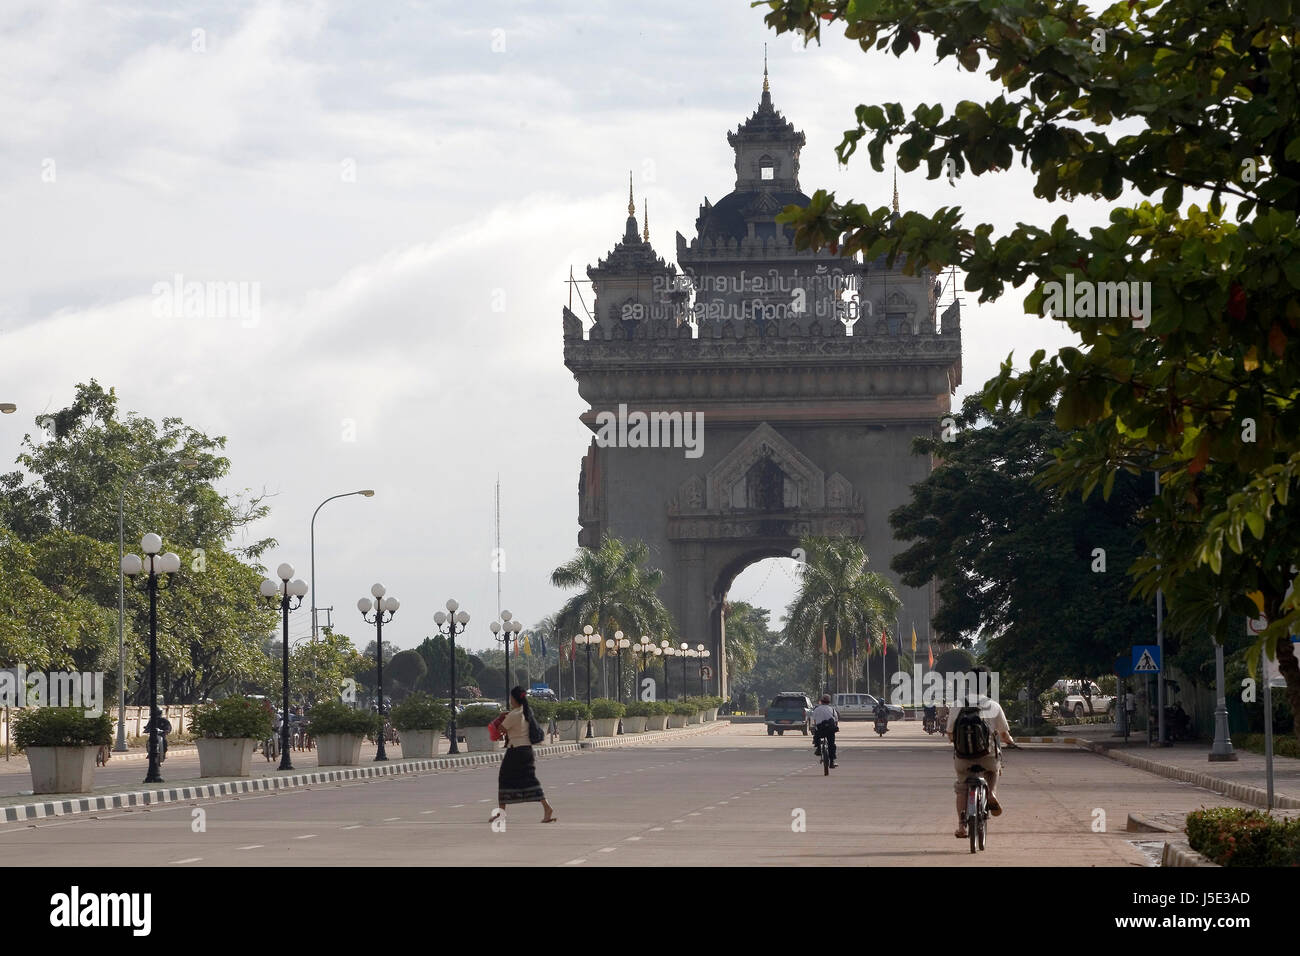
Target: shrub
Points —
{"points": [[602, 708], [421, 712], [334, 717], [479, 715], [543, 710], [661, 708], [61, 727], [571, 710], [232, 718], [684, 708], [1283, 745], [1231, 836], [639, 708]]}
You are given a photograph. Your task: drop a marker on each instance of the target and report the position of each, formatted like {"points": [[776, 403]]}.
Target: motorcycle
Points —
{"points": [[882, 723], [930, 724]]}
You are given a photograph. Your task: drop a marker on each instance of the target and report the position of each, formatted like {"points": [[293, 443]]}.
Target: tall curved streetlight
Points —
{"points": [[666, 648], [382, 605], [153, 564], [284, 593], [189, 464], [588, 637], [450, 623], [365, 493]]}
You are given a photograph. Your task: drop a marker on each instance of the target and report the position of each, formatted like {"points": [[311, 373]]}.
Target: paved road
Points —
{"points": [[725, 798]]}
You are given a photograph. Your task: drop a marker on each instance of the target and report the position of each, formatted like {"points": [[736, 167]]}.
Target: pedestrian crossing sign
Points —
{"points": [[1146, 659]]}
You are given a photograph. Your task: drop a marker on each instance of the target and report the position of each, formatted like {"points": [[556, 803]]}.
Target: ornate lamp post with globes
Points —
{"points": [[667, 649], [382, 606], [155, 564], [617, 645], [588, 637], [450, 623], [285, 594], [504, 630]]}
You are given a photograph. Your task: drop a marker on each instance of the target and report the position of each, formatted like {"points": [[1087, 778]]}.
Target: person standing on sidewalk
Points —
{"points": [[517, 781]]}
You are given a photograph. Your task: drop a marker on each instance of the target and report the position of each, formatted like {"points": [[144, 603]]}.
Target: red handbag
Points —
{"points": [[494, 728]]}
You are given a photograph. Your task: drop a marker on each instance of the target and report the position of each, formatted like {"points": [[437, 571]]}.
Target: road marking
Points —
{"points": [[608, 849], [355, 826], [679, 821], [631, 839], [305, 836], [428, 811], [569, 784], [656, 829], [253, 846], [576, 862], [723, 801], [455, 805], [192, 859], [391, 819], [484, 800], [692, 814]]}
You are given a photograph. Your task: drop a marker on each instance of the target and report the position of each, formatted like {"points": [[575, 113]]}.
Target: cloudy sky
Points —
{"points": [[405, 186]]}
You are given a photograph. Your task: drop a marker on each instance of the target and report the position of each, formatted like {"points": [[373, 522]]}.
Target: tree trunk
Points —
{"points": [[1290, 668]]}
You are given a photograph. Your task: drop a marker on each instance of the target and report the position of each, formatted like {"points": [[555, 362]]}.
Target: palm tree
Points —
{"points": [[838, 594], [615, 591]]}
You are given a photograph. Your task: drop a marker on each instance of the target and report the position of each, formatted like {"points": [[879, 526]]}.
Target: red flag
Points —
{"points": [[930, 651], [572, 647], [884, 641], [823, 638]]}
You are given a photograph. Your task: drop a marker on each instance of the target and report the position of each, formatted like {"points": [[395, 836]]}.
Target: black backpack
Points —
{"points": [[970, 733]]}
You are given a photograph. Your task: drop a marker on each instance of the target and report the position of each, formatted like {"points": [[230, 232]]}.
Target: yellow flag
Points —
{"points": [[527, 648], [913, 638], [839, 645], [830, 668]]}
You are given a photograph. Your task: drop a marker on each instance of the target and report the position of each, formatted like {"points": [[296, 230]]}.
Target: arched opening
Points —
{"points": [[750, 598]]}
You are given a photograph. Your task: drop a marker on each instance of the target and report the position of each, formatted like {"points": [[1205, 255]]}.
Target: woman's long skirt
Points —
{"points": [[517, 781]]}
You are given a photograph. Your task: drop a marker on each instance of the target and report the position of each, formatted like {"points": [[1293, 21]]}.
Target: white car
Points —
{"points": [[1076, 704]]}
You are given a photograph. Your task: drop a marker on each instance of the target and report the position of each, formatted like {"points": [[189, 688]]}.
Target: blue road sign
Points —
{"points": [[1146, 659]]}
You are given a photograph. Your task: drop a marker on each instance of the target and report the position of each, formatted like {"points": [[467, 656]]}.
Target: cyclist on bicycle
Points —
{"points": [[825, 720], [974, 727]]}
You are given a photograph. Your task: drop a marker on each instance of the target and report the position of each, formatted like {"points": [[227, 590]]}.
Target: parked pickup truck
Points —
{"points": [[1076, 704], [788, 712]]}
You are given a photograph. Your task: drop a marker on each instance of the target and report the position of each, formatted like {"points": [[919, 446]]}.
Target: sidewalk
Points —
{"points": [[1242, 779], [120, 784]]}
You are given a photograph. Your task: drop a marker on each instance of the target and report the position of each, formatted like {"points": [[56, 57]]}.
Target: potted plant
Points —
{"points": [[605, 714], [226, 732], [61, 743], [711, 705], [472, 722], [420, 721], [697, 714], [638, 713], [657, 719], [571, 719], [679, 714], [339, 731]]}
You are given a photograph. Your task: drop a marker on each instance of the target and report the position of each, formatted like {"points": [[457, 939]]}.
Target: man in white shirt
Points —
{"points": [[821, 713], [996, 720]]}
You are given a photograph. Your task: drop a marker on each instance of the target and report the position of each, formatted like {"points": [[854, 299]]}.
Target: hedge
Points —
{"points": [[1231, 836]]}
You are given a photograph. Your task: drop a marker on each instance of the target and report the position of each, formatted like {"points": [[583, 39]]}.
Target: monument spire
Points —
{"points": [[645, 219], [765, 86], [895, 190], [631, 206]]}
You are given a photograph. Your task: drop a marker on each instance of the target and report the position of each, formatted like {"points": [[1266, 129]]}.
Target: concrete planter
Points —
{"points": [[634, 725], [605, 726], [695, 718], [570, 729], [657, 722], [676, 720], [711, 714], [478, 740], [338, 750], [62, 769], [225, 757], [421, 743]]}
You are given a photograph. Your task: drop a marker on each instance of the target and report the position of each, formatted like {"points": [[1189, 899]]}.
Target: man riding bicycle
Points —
{"points": [[825, 721], [972, 728]]}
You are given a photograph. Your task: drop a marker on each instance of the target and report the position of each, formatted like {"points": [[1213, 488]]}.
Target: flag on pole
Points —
{"points": [[541, 638], [823, 638], [830, 668], [884, 641], [527, 647], [839, 645], [913, 638], [601, 647], [930, 649]]}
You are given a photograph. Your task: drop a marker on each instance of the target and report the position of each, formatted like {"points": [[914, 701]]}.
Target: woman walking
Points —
{"points": [[517, 782]]}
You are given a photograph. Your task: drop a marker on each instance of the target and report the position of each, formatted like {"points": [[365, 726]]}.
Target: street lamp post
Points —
{"points": [[588, 637], [188, 464], [285, 593], [685, 651], [668, 651], [703, 653], [157, 564], [647, 649], [618, 644], [504, 630], [382, 606], [450, 623], [366, 493]]}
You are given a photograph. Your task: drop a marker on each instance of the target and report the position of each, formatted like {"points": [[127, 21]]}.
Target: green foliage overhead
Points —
{"points": [[1176, 100], [61, 727], [232, 717], [614, 590], [420, 712]]}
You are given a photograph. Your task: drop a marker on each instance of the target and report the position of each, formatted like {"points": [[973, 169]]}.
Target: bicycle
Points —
{"points": [[977, 799], [824, 751]]}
